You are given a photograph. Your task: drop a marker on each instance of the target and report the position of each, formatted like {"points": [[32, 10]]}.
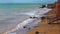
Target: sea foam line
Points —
{"points": [[19, 26]]}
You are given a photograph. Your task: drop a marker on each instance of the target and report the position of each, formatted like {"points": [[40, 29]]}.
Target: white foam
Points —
{"points": [[20, 25], [37, 13]]}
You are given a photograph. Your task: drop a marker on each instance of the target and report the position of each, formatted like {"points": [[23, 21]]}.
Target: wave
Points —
{"points": [[19, 26]]}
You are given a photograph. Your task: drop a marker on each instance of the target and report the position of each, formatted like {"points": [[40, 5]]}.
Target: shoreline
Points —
{"points": [[23, 22]]}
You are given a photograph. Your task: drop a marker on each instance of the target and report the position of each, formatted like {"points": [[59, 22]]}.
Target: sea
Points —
{"points": [[10, 15]]}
